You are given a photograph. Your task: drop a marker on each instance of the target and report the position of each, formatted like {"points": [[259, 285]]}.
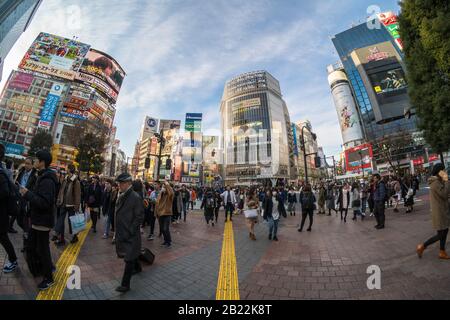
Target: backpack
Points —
{"points": [[12, 204], [308, 201]]}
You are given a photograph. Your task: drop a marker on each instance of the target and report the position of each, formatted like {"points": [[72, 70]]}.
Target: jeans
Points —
{"points": [[130, 267], [185, 207], [363, 205], [378, 211], [273, 227], [109, 223], [39, 243], [165, 224], [356, 213], [6, 243], [229, 208], [305, 214], [152, 220], [61, 221], [441, 237]]}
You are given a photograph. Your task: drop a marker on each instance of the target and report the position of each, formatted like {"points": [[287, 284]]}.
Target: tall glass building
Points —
{"points": [[256, 130], [15, 17], [372, 60]]}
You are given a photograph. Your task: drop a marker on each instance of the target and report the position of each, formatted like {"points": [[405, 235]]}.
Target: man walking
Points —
{"points": [[5, 197], [164, 206], [43, 207], [229, 201], [379, 199], [129, 218], [94, 201], [27, 178], [69, 199], [185, 197]]}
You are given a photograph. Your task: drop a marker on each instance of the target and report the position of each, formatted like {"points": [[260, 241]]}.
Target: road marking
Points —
{"points": [[67, 259], [228, 282]]}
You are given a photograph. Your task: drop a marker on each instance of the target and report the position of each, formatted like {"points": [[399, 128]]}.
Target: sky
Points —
{"points": [[178, 54]]}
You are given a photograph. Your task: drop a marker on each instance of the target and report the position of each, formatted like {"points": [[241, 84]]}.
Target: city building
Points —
{"points": [[370, 93], [15, 17], [66, 88], [256, 131]]}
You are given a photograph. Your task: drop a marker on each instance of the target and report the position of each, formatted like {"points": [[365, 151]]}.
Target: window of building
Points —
{"points": [[31, 130], [11, 137], [16, 117], [20, 139], [13, 128], [48, 85], [8, 115], [27, 142], [36, 91]]}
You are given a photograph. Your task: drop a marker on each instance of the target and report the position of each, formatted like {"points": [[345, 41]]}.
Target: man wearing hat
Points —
{"points": [[129, 218]]}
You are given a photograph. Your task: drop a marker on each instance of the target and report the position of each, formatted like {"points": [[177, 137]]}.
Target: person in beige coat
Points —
{"points": [[439, 200], [164, 211]]}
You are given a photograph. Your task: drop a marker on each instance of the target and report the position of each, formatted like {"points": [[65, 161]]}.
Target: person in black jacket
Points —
{"points": [[5, 194], [94, 201], [42, 201], [209, 204], [27, 177], [218, 205], [307, 200]]}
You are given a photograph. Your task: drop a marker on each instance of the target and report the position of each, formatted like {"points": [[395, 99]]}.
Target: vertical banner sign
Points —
{"points": [[294, 132], [51, 104]]}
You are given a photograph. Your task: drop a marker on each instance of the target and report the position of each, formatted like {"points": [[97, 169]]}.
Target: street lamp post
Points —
{"points": [[162, 143]]}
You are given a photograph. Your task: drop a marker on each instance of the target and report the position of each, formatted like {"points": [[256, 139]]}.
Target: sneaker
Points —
{"points": [[60, 243], [213, 224], [105, 236], [168, 246], [163, 245], [54, 238], [300, 230], [275, 239], [380, 227], [46, 284], [10, 267], [309, 230], [151, 237], [122, 289]]}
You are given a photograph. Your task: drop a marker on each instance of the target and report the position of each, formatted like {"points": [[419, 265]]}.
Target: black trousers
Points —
{"points": [[441, 237], [378, 211], [229, 208], [305, 214], [9, 248], [94, 217], [216, 213], [152, 220], [39, 242], [346, 213], [130, 268], [165, 224]]}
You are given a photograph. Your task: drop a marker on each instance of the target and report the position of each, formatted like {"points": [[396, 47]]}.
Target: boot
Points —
{"points": [[443, 255], [420, 249]]}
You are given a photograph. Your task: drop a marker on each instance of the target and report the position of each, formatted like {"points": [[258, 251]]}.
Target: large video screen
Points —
{"points": [[355, 155], [390, 81]]}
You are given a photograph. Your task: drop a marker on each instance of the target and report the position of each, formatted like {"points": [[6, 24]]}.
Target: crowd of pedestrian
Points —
{"points": [[42, 201]]}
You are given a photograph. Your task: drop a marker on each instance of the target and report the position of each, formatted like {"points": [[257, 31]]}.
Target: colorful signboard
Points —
{"points": [[194, 122], [359, 158], [97, 84], [390, 21], [14, 149], [103, 67], [170, 130], [51, 104], [55, 56], [21, 81]]}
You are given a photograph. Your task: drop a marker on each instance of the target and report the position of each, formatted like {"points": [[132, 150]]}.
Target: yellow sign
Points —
{"points": [[378, 89]]}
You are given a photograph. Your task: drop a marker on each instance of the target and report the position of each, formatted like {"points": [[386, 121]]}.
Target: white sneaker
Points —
{"points": [[10, 267]]}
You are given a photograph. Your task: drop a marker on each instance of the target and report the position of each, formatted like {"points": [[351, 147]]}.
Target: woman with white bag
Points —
{"points": [[271, 214], [251, 213]]}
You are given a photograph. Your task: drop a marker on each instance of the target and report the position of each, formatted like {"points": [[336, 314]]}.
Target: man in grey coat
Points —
{"points": [[129, 218]]}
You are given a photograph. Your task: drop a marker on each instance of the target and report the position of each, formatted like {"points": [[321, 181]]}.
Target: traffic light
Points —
{"points": [[168, 164], [318, 162], [147, 163]]}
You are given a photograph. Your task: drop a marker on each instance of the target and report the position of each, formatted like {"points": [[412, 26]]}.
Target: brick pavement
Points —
{"points": [[329, 263]]}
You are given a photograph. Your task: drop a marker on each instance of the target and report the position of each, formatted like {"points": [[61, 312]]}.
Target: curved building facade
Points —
{"points": [[257, 139]]}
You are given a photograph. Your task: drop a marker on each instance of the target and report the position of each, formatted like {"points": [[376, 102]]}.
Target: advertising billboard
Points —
{"points": [[55, 56], [353, 158], [51, 105], [170, 130], [194, 122], [211, 152], [149, 127], [97, 84], [103, 67], [390, 21], [388, 81], [21, 81]]}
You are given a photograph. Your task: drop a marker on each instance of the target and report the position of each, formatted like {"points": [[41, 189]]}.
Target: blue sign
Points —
{"points": [[152, 123], [15, 149], [194, 116], [51, 104]]}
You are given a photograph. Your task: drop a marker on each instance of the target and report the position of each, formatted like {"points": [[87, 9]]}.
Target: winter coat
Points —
{"points": [[208, 210], [380, 192], [177, 202], [307, 200], [31, 180], [331, 201], [439, 201], [42, 199], [164, 202], [129, 218], [292, 198], [4, 195], [356, 197], [322, 199], [95, 194], [70, 193], [344, 199]]}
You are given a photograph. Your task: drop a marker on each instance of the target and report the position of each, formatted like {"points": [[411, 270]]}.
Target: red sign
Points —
{"points": [[433, 157], [359, 158]]}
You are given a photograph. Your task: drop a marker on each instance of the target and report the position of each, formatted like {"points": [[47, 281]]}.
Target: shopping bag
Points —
{"points": [[251, 213], [87, 215], [78, 223]]}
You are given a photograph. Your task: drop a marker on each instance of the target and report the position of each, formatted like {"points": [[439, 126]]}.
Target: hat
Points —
{"points": [[438, 167], [124, 177]]}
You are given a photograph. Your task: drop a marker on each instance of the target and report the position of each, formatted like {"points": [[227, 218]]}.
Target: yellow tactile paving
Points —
{"points": [[228, 282], [67, 259]]}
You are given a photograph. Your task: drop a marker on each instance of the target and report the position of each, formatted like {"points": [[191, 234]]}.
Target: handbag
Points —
{"points": [[251, 213], [356, 203], [78, 223], [147, 256]]}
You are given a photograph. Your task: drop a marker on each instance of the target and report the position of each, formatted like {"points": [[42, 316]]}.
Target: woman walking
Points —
{"points": [[271, 214], [209, 205], [439, 199], [356, 202], [307, 200], [292, 201], [251, 214], [331, 200], [344, 201], [322, 199]]}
